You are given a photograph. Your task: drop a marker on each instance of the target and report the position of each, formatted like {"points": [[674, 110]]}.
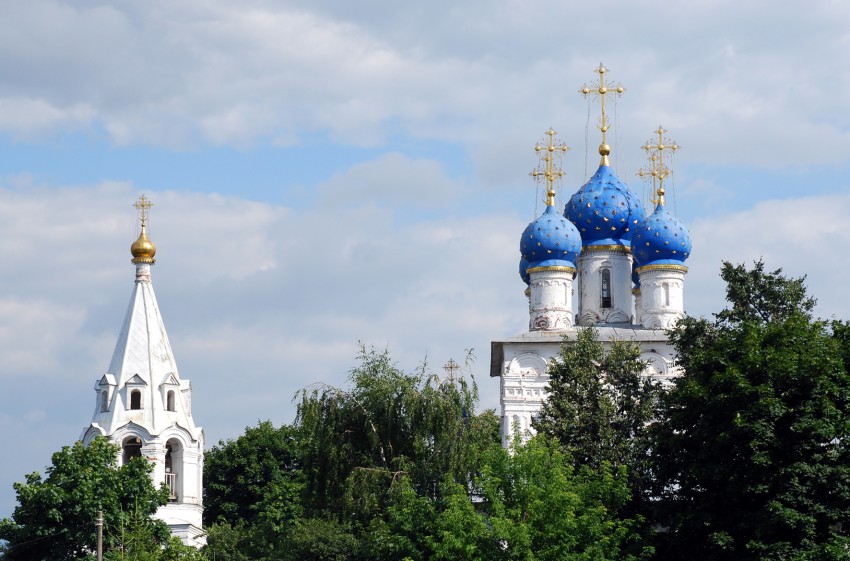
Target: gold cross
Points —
{"points": [[451, 367], [601, 89], [549, 171], [142, 206], [657, 170]]}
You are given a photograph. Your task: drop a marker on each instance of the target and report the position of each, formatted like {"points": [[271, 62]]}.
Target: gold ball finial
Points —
{"points": [[143, 249], [604, 149]]}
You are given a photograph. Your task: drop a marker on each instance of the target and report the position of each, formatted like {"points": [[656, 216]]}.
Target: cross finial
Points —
{"points": [[451, 367], [549, 171], [658, 170], [600, 89], [142, 206]]}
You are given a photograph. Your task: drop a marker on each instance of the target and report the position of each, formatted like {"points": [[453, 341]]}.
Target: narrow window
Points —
{"points": [[169, 401], [606, 288], [666, 295], [132, 448], [104, 401], [136, 399]]}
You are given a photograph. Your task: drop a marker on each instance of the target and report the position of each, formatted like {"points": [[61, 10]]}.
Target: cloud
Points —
{"points": [[392, 180], [217, 73], [801, 236]]}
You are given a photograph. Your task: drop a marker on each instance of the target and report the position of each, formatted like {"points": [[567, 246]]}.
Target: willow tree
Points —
{"points": [[359, 440]]}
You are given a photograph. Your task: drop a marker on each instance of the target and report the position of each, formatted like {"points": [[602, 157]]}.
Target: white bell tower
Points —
{"points": [[144, 406]]}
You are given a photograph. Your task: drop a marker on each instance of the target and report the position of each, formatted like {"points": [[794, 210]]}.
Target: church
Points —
{"points": [[624, 269], [143, 405]]}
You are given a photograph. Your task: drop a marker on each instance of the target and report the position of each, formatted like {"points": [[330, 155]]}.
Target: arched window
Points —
{"points": [[136, 399], [169, 401], [132, 448], [173, 469], [104, 401], [606, 288]]}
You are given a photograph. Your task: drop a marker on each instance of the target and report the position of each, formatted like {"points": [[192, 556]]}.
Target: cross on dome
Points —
{"points": [[657, 170], [142, 206], [549, 172], [600, 89]]}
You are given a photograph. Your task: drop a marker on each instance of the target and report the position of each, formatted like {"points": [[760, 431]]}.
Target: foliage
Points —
{"points": [[358, 442], [539, 507], [400, 466], [317, 539], [600, 407], [55, 516], [255, 478], [752, 450]]}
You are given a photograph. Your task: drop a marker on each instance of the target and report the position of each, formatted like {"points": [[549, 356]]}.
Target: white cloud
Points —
{"points": [[390, 181]]}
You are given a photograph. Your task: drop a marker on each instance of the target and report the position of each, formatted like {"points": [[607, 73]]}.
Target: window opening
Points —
{"points": [[170, 475], [136, 399], [606, 288], [169, 401], [104, 401], [132, 448]]}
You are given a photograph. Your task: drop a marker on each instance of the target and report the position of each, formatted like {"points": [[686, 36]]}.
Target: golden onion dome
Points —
{"points": [[143, 249]]}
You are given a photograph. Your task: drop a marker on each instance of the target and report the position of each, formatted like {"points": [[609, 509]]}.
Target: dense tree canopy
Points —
{"points": [[600, 406], [55, 516], [358, 441], [402, 466], [753, 449]]}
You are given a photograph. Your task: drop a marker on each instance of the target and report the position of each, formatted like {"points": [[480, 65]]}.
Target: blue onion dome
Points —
{"points": [[523, 270], [661, 239], [605, 210], [550, 241]]}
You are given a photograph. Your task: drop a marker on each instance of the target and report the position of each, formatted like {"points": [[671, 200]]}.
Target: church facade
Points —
{"points": [[143, 405], [602, 263]]}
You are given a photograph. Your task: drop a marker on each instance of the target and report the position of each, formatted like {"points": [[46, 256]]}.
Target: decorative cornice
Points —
{"points": [[552, 269], [667, 267], [611, 248]]}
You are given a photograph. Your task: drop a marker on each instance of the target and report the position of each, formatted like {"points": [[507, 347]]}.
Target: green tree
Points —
{"points": [[752, 452], [55, 516], [359, 441], [252, 491], [538, 507], [600, 407]]}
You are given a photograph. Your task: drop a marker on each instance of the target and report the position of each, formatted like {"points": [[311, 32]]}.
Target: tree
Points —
{"points": [[252, 491], [600, 407], [359, 441], [752, 452], [538, 507], [55, 516]]}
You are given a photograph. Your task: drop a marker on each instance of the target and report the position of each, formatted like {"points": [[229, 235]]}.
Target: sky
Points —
{"points": [[329, 173]]}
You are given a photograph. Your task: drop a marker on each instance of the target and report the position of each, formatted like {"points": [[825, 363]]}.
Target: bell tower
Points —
{"points": [[143, 405]]}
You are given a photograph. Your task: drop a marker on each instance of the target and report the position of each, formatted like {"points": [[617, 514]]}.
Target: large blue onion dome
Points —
{"points": [[523, 270], [605, 210], [661, 239], [550, 241]]}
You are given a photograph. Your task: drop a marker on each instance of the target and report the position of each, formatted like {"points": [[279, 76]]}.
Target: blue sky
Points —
{"points": [[330, 172]]}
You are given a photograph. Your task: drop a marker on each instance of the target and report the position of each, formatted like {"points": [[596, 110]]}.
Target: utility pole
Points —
{"points": [[99, 525]]}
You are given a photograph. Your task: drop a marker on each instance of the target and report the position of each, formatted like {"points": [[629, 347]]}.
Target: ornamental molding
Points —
{"points": [[668, 267]]}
